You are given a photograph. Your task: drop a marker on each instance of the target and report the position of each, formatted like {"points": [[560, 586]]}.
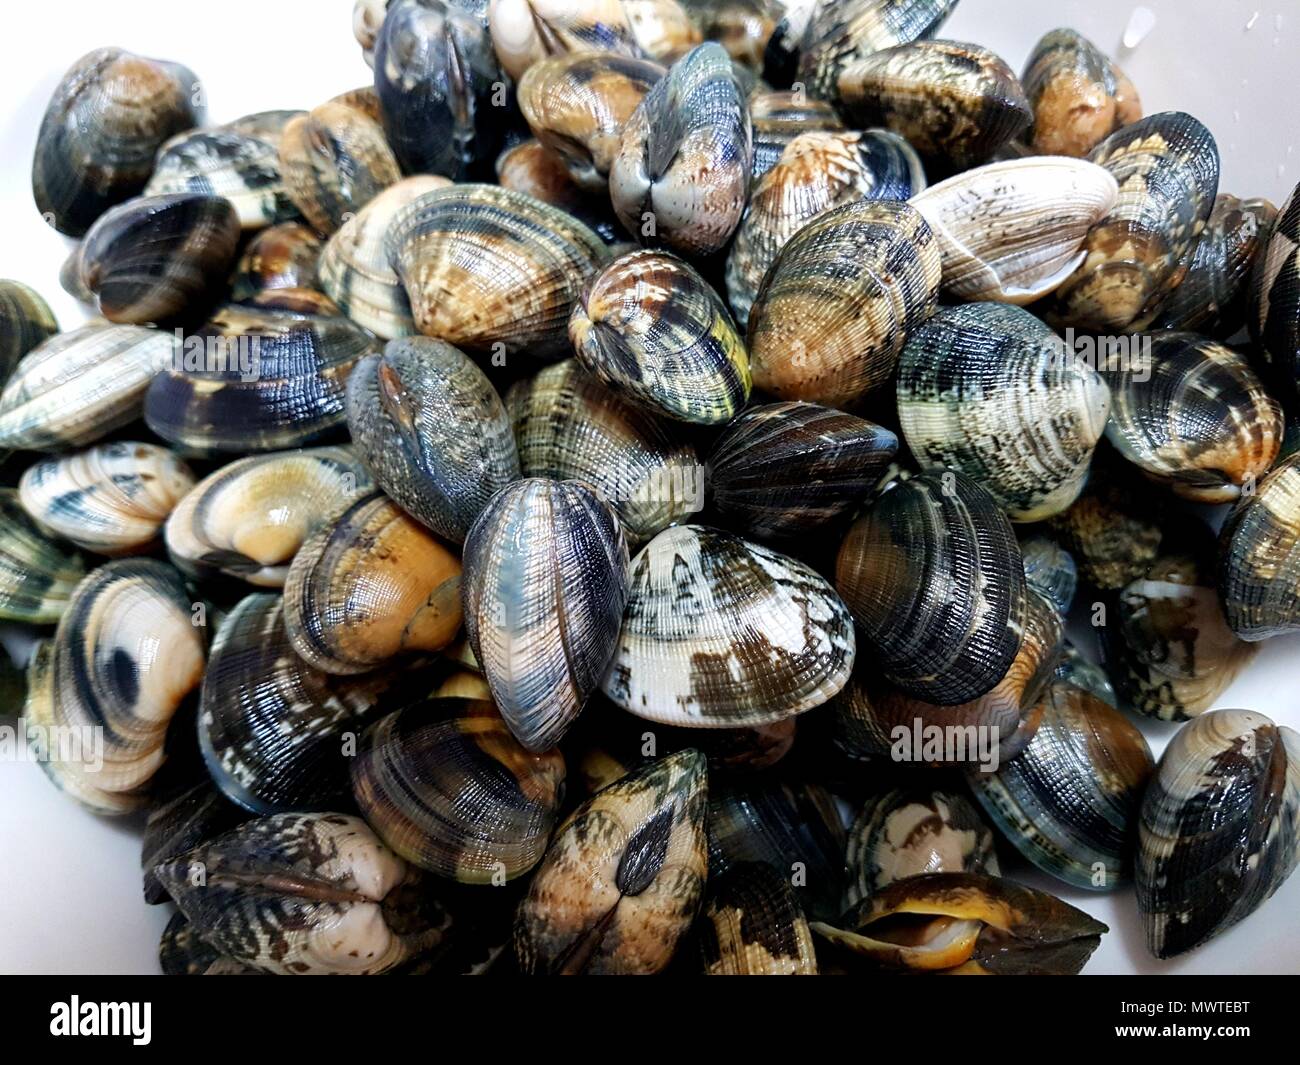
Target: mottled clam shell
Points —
{"points": [[1274, 317], [783, 469], [1079, 96], [1259, 557], [953, 101], [433, 431], [742, 27], [1219, 828], [1013, 231], [1050, 570], [933, 575], [530, 167], [681, 175], [662, 29], [652, 329], [837, 304], [452, 791], [623, 879], [280, 256], [777, 118], [101, 131], [370, 586], [248, 519], [182, 952], [178, 821], [527, 31], [568, 426], [752, 925], [722, 633], [989, 390], [545, 585], [25, 321], [515, 264], [37, 576]]}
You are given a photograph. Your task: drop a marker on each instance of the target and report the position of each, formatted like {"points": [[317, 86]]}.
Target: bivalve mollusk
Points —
{"points": [[280, 256], [527, 31], [777, 118], [752, 925], [25, 321], [1050, 570], [1079, 96], [1274, 317], [37, 576]]}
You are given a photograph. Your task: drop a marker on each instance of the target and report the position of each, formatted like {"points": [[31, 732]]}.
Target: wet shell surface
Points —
{"points": [[527, 31], [433, 431], [623, 879], [752, 925], [1274, 315], [1079, 96], [25, 321], [530, 167], [989, 390], [721, 633], [37, 576], [545, 586], [179, 820], [777, 118], [651, 328], [1259, 557], [1050, 570], [1219, 828], [280, 256]]}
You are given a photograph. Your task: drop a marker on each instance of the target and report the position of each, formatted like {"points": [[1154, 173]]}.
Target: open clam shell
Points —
{"points": [[752, 925], [777, 118], [1259, 557], [280, 256], [527, 31], [25, 321], [1274, 316], [37, 576]]}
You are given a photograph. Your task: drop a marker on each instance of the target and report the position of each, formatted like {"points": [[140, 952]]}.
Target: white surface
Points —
{"points": [[70, 881]]}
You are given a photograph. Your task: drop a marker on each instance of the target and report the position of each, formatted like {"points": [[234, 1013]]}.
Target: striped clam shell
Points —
{"points": [[623, 878], [953, 101], [280, 256], [37, 576], [25, 321], [1259, 557], [101, 130], [782, 469], [1050, 570], [1197, 418], [103, 670], [752, 925], [1274, 317], [248, 519], [527, 31], [530, 167], [80, 385], [514, 264], [777, 118], [1167, 168], [722, 633], [933, 575], [652, 329], [370, 586], [837, 304], [742, 27], [448, 788], [545, 584], [681, 175], [433, 431], [568, 426], [111, 499], [1069, 802], [989, 390], [1219, 828]]}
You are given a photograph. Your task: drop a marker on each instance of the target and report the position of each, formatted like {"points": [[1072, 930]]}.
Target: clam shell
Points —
{"points": [[433, 431], [530, 167], [1079, 96], [527, 31], [1050, 570], [1076, 670], [181, 952], [1259, 557], [37, 577], [662, 29], [1275, 298], [777, 118], [742, 27], [280, 256], [752, 925], [367, 20], [178, 822], [721, 633], [25, 321]]}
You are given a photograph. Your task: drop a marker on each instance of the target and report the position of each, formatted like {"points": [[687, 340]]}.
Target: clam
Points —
{"points": [[783, 469], [302, 893], [621, 883], [1079, 672], [526, 31], [257, 378], [37, 576], [1197, 418], [1218, 828], [1069, 802], [433, 431], [911, 832], [681, 175], [102, 672], [112, 499], [817, 172], [953, 101], [101, 131], [449, 789], [1079, 96], [1050, 570], [742, 27], [545, 584], [532, 168], [1274, 316], [1167, 169], [967, 924], [752, 925], [249, 518], [662, 29], [989, 390], [1259, 557], [723, 633], [650, 327], [777, 118], [182, 952], [837, 304], [180, 820], [568, 426], [25, 321], [280, 256], [368, 587], [515, 265], [367, 20], [1013, 231], [80, 385], [933, 575]]}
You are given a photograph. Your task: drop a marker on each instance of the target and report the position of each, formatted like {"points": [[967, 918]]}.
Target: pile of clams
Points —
{"points": [[620, 491]]}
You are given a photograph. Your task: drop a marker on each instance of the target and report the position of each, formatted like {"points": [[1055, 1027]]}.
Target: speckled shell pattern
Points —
{"points": [[682, 171], [181, 818], [1050, 570], [102, 669], [777, 118], [838, 302], [989, 390], [433, 432], [545, 586], [752, 925], [783, 469], [651, 328], [721, 633], [1259, 557], [1219, 829], [624, 877], [37, 576], [933, 575], [515, 264], [25, 321], [1275, 298], [526, 31]]}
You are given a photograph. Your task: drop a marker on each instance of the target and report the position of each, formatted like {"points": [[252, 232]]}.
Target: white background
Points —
{"points": [[70, 896]]}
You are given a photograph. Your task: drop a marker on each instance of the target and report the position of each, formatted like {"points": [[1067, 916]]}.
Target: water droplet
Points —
{"points": [[1140, 24], [1250, 22], [1278, 21]]}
